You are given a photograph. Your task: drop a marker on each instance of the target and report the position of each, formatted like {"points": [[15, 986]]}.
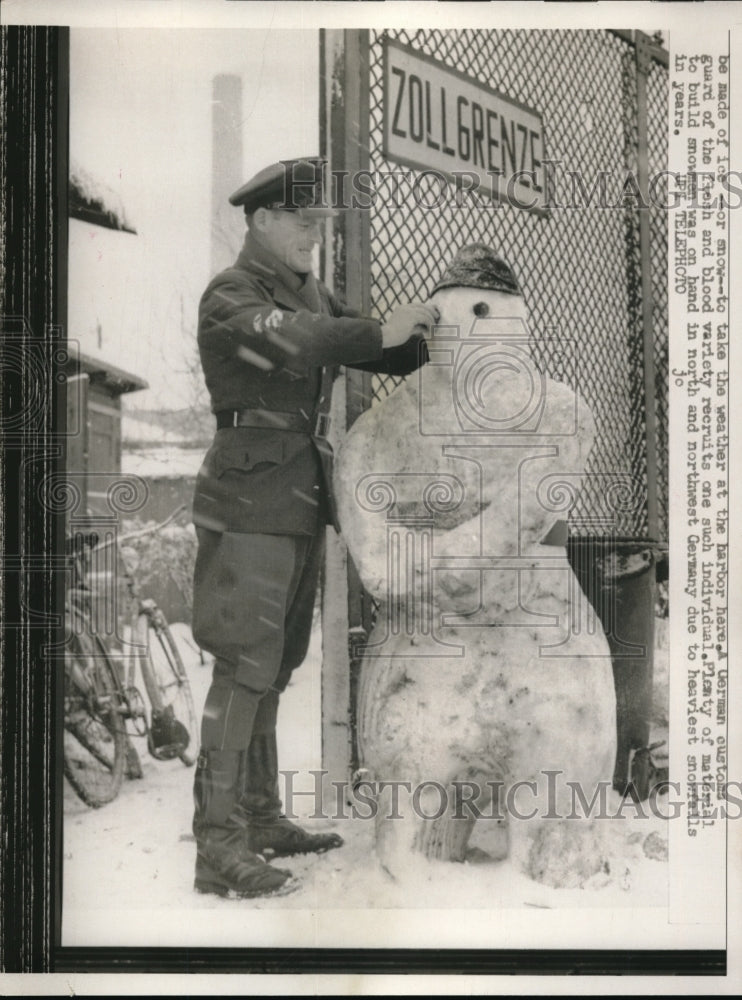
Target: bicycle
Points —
{"points": [[95, 738], [153, 647], [101, 695]]}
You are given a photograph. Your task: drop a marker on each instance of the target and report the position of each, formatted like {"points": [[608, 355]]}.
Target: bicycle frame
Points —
{"points": [[133, 650], [80, 604], [101, 695]]}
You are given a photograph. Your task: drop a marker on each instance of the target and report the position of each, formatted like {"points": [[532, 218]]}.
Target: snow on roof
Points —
{"points": [[99, 370], [93, 201]]}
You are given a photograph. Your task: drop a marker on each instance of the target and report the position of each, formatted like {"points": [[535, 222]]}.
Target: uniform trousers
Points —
{"points": [[253, 604]]}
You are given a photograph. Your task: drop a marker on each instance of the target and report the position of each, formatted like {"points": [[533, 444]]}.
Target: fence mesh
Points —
{"points": [[579, 267]]}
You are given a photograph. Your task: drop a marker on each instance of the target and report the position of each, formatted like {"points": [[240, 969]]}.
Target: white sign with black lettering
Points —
{"points": [[438, 119]]}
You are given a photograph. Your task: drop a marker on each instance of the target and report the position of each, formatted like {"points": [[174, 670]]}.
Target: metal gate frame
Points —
{"points": [[345, 143]]}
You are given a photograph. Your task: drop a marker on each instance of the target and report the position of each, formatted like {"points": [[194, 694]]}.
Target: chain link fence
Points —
{"points": [[580, 265]]}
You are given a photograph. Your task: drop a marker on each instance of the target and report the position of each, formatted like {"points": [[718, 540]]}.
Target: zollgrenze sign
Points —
{"points": [[438, 119]]}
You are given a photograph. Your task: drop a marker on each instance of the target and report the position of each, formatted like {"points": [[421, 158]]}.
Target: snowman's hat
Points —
{"points": [[478, 266]]}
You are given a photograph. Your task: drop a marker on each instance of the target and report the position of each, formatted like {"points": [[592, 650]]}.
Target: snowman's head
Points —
{"points": [[479, 312], [478, 294]]}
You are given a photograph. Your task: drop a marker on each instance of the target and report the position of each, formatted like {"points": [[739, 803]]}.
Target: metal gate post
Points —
{"points": [[643, 54], [344, 118]]}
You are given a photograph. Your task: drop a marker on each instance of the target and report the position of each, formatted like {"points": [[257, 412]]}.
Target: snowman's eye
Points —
{"points": [[481, 309]]}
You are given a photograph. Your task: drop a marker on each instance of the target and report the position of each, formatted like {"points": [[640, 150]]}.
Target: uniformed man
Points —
{"points": [[270, 337]]}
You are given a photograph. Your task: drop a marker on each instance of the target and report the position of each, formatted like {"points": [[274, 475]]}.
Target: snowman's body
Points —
{"points": [[486, 667]]}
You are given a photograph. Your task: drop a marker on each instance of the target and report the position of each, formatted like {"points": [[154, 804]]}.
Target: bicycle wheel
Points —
{"points": [[94, 729], [168, 688]]}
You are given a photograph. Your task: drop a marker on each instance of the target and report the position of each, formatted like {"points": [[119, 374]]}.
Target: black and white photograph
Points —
{"points": [[366, 503]]}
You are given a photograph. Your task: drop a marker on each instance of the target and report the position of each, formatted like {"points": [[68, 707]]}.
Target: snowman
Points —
{"points": [[483, 692]]}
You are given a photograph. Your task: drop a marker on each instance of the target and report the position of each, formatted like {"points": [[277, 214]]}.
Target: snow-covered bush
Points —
{"points": [[161, 560]]}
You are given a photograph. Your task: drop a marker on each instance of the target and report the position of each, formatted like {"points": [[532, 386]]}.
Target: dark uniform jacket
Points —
{"points": [[270, 342]]}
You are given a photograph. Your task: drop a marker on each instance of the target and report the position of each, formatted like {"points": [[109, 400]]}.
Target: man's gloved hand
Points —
{"points": [[405, 319]]}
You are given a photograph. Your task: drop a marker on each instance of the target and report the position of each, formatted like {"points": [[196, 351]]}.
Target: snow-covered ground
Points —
{"points": [[128, 869]]}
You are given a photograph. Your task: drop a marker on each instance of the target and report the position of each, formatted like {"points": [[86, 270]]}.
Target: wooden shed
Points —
{"points": [[94, 391]]}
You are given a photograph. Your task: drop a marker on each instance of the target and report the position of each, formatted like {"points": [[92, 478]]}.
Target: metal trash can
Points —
{"points": [[618, 576]]}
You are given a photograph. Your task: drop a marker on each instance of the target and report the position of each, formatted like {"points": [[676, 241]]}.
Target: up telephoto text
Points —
{"points": [[554, 188], [499, 800]]}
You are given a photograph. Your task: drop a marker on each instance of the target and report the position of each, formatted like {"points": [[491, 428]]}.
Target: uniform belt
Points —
{"points": [[274, 420]]}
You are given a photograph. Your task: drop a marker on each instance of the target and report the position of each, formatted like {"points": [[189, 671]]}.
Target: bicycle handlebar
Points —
{"points": [[155, 527], [90, 539]]}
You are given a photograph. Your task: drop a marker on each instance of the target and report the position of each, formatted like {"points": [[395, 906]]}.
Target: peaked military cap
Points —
{"points": [[289, 185], [478, 266]]}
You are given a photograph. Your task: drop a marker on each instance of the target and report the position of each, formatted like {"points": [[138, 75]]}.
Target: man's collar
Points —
{"points": [[255, 256], [262, 262]]}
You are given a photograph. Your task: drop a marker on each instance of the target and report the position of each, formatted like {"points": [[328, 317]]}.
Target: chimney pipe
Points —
{"points": [[227, 222]]}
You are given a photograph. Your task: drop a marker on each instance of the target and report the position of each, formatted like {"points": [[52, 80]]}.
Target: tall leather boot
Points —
{"points": [[224, 863], [269, 832]]}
